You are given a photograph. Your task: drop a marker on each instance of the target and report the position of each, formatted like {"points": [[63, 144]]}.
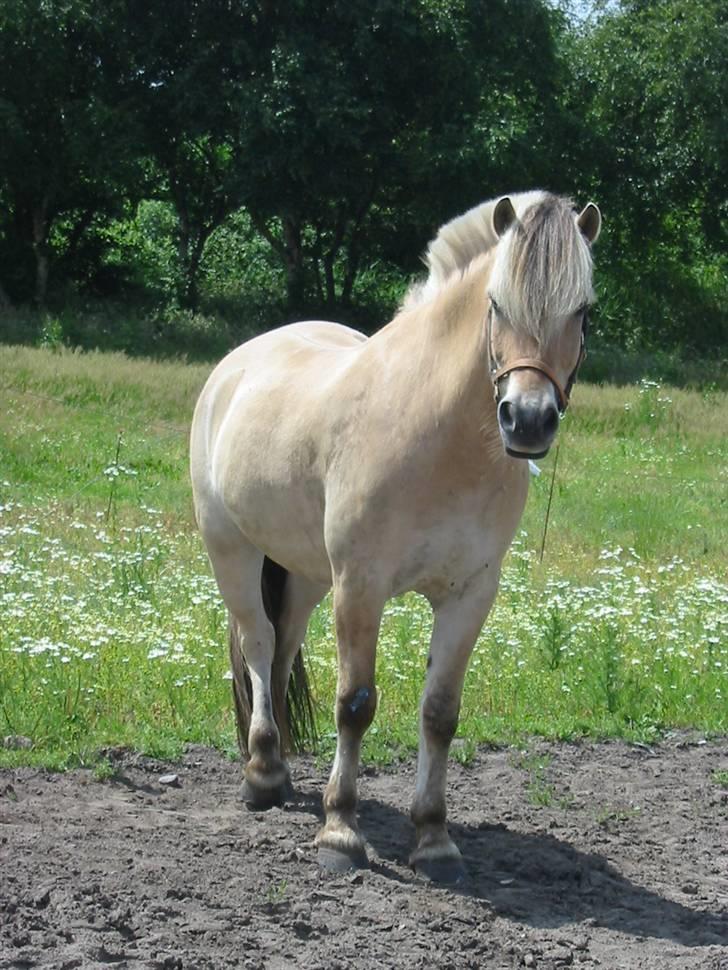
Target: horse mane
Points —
{"points": [[542, 267], [458, 243]]}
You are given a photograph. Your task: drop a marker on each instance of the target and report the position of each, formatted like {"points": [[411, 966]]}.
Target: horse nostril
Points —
{"points": [[507, 417], [551, 421]]}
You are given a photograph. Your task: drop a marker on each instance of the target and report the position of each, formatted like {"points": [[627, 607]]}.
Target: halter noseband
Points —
{"points": [[533, 363]]}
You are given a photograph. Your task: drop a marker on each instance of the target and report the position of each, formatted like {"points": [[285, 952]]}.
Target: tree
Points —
{"points": [[352, 110], [62, 145], [650, 83], [349, 130], [180, 77]]}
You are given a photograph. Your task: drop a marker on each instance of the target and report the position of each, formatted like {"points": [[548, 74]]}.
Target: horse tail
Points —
{"points": [[293, 710], [242, 688]]}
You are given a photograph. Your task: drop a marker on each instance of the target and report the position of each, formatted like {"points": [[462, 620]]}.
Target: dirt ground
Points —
{"points": [[584, 855]]}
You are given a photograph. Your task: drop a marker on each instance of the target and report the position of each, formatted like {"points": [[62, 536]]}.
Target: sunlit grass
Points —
{"points": [[112, 631]]}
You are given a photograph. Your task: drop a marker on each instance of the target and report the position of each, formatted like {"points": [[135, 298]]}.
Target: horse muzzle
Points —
{"points": [[528, 424]]}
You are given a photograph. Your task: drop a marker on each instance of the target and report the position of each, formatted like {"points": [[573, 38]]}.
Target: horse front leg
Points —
{"points": [[456, 627], [357, 615]]}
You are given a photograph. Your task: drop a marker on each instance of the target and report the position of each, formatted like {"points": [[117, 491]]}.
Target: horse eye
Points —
{"points": [[496, 308]]}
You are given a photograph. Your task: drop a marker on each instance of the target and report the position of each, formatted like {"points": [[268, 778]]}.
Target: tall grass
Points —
{"points": [[112, 631]]}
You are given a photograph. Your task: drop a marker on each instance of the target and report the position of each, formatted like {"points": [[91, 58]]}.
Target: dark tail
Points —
{"points": [[294, 713]]}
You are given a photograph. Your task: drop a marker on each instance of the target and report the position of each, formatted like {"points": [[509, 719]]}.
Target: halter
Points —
{"points": [[533, 363]]}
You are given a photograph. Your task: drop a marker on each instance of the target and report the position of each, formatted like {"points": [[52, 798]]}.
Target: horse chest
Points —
{"points": [[468, 537], [438, 562]]}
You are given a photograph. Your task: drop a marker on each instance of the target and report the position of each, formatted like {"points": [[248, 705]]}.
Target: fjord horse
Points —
{"points": [[321, 459]]}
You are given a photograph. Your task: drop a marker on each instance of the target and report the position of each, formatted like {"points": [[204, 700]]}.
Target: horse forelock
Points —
{"points": [[542, 269]]}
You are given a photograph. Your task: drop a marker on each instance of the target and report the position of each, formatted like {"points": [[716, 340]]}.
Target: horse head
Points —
{"points": [[539, 293]]}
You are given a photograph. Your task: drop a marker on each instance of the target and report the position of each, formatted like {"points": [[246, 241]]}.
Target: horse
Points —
{"points": [[322, 459]]}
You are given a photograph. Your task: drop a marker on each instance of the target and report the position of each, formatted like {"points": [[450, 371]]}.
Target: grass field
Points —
{"points": [[112, 632]]}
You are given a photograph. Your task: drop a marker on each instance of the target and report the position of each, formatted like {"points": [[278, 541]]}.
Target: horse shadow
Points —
{"points": [[539, 879]]}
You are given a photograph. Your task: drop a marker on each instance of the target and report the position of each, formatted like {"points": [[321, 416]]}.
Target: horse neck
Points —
{"points": [[441, 346]]}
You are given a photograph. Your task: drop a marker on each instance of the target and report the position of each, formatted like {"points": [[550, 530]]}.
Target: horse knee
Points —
{"points": [[440, 713], [355, 709]]}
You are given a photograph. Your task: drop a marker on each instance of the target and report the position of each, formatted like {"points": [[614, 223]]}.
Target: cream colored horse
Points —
{"points": [[383, 465]]}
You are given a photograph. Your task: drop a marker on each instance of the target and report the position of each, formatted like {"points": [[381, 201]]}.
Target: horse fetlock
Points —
{"points": [[340, 803], [264, 741], [341, 847], [433, 839], [429, 815], [437, 858], [265, 785]]}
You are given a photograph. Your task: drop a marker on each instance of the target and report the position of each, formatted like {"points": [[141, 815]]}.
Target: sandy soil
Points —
{"points": [[625, 867]]}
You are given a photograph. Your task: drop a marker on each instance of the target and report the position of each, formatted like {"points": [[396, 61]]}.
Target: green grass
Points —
{"points": [[112, 631], [539, 791]]}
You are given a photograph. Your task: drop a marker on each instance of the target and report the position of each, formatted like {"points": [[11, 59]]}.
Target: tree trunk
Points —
{"points": [[183, 255], [316, 267], [295, 274], [41, 250], [330, 281], [352, 268], [354, 254], [289, 250], [192, 269]]}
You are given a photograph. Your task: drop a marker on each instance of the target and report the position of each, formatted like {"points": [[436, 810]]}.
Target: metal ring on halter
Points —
{"points": [[533, 363]]}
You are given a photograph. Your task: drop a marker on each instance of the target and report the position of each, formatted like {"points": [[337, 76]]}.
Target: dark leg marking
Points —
{"points": [[440, 713], [355, 709]]}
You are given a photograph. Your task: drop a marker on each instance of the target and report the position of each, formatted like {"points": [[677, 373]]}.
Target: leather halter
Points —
{"points": [[533, 363]]}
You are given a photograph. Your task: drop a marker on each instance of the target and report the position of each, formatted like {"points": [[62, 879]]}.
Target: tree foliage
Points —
{"points": [[62, 152], [651, 77], [352, 109], [142, 142]]}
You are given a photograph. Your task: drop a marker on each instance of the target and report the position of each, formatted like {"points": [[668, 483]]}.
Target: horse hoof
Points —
{"points": [[261, 799], [338, 862], [447, 871]]}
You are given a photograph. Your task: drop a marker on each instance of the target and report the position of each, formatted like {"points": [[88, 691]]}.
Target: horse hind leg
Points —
{"points": [[238, 568], [292, 703], [266, 780]]}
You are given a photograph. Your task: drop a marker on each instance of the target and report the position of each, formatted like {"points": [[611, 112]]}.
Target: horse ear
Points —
{"points": [[589, 222], [503, 216]]}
